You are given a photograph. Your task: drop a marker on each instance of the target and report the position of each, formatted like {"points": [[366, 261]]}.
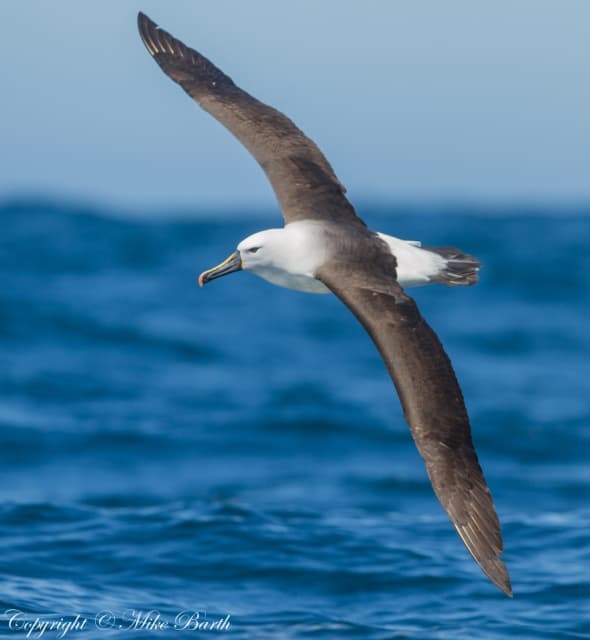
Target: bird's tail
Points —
{"points": [[460, 270]]}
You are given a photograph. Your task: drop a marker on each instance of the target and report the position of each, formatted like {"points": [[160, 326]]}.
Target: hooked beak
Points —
{"points": [[229, 265]]}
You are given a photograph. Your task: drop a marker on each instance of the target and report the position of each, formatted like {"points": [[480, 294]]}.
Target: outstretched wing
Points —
{"points": [[431, 400], [303, 180]]}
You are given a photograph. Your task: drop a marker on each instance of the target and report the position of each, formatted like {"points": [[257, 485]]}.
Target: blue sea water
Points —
{"points": [[237, 452]]}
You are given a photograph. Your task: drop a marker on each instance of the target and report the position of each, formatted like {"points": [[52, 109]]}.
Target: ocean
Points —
{"points": [[233, 461]]}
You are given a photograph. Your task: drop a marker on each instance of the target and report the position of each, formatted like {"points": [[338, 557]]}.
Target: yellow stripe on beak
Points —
{"points": [[229, 265]]}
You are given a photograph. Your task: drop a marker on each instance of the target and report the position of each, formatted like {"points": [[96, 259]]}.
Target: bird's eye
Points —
{"points": [[254, 250]]}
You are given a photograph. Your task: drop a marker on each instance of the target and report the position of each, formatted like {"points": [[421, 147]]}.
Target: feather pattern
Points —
{"points": [[304, 183], [431, 400]]}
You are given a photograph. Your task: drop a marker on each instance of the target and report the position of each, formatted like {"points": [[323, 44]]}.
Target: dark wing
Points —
{"points": [[303, 180], [430, 396]]}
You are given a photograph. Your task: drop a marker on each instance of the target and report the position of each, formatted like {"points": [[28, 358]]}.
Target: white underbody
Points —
{"points": [[298, 252]]}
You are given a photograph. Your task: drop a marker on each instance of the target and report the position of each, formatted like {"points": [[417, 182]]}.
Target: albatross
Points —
{"points": [[324, 247]]}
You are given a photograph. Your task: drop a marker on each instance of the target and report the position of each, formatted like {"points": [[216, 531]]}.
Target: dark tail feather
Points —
{"points": [[461, 268]]}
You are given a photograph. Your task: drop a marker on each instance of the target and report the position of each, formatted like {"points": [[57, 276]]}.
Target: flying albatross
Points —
{"points": [[325, 247]]}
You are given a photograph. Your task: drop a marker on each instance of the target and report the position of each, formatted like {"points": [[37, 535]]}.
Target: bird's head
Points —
{"points": [[256, 253]]}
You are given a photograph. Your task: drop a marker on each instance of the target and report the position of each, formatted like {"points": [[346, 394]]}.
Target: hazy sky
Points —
{"points": [[409, 100]]}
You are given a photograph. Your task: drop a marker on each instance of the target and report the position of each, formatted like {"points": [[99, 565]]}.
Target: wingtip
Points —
{"points": [[144, 25], [504, 582], [142, 17], [159, 43], [143, 21], [498, 574], [487, 553], [505, 587]]}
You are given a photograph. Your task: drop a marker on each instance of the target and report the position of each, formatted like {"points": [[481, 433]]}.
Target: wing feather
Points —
{"points": [[431, 399], [303, 180]]}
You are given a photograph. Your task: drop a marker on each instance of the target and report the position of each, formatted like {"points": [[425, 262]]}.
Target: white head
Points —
{"points": [[258, 253], [288, 257]]}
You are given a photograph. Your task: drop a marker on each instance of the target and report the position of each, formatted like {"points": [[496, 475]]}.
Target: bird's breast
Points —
{"points": [[296, 281]]}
